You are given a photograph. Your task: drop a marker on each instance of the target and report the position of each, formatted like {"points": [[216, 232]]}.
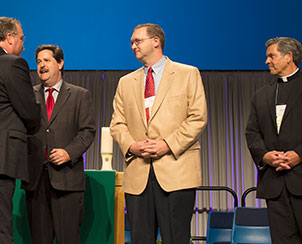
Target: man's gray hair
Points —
{"points": [[286, 45], [8, 25]]}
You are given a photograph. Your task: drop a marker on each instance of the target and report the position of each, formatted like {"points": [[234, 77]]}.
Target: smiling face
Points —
{"points": [[48, 69]]}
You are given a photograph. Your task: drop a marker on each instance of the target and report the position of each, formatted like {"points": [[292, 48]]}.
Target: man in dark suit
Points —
{"points": [[55, 194], [274, 137], [20, 116]]}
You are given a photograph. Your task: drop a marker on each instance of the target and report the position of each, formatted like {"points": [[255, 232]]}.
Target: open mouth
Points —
{"points": [[43, 71]]}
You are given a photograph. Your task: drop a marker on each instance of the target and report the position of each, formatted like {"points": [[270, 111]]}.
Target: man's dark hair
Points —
{"points": [[57, 52]]}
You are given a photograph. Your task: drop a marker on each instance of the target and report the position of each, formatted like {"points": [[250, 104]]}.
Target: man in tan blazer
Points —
{"points": [[162, 152]]}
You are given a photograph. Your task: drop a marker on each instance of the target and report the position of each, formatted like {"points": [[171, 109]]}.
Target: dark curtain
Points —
{"points": [[225, 158]]}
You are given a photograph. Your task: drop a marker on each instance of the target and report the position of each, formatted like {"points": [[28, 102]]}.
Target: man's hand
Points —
{"points": [[150, 148], [138, 149], [293, 159], [277, 159], [282, 161], [59, 156], [156, 149]]}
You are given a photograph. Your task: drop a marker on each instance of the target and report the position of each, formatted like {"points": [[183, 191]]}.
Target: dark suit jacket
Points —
{"points": [[262, 137], [19, 115], [71, 127]]}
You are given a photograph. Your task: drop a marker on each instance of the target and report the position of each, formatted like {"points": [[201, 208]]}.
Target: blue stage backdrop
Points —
{"points": [[209, 34]]}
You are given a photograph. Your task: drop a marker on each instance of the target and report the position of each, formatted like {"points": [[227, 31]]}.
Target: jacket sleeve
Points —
{"points": [[86, 127], [254, 138], [118, 126], [20, 92], [196, 119]]}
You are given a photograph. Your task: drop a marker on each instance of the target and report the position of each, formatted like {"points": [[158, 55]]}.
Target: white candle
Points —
{"points": [[106, 141]]}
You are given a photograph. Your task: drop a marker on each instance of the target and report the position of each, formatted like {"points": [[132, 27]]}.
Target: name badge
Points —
{"points": [[149, 102], [280, 109]]}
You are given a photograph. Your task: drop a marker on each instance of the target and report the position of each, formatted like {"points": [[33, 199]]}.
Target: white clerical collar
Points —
{"points": [[284, 78]]}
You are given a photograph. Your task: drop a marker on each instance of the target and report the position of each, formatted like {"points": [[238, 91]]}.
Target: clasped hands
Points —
{"points": [[150, 148], [282, 160]]}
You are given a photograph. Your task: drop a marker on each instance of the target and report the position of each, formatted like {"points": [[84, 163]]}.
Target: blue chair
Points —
{"points": [[219, 227], [250, 225], [215, 217]]}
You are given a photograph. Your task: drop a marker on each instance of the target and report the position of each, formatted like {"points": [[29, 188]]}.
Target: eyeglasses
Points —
{"points": [[22, 38], [139, 41]]}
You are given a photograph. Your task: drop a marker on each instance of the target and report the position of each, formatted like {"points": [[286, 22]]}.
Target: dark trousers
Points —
{"points": [[170, 211], [7, 188], [54, 214], [285, 218]]}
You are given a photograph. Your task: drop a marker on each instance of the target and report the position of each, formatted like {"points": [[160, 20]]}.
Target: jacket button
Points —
{"points": [[47, 130]]}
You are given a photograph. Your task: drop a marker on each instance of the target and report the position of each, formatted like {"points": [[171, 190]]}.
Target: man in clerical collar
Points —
{"points": [[274, 138]]}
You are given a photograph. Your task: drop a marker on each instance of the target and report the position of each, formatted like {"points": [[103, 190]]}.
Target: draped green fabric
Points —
{"points": [[98, 224]]}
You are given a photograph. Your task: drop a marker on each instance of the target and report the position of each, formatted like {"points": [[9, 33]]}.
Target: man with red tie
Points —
{"points": [[55, 194], [159, 113]]}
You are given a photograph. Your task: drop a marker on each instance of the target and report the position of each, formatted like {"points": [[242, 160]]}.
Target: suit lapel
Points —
{"points": [[165, 82], [270, 100], [61, 99], [39, 93], [295, 93], [2, 51], [138, 90]]}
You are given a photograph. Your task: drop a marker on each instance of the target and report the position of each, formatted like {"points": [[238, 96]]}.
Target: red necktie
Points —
{"points": [[149, 89], [50, 103]]}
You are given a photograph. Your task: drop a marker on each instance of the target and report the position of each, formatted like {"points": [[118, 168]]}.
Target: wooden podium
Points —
{"points": [[119, 217]]}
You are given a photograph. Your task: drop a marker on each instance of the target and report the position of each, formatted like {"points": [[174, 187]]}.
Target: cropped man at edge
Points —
{"points": [[20, 117], [274, 137]]}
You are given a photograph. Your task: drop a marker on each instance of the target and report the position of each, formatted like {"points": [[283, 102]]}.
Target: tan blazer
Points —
{"points": [[179, 115]]}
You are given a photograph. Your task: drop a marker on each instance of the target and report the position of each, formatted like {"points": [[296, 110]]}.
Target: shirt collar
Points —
{"points": [[157, 66], [57, 86], [286, 78]]}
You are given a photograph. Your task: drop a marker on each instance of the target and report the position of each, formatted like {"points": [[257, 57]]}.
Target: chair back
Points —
{"points": [[219, 227], [250, 225]]}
